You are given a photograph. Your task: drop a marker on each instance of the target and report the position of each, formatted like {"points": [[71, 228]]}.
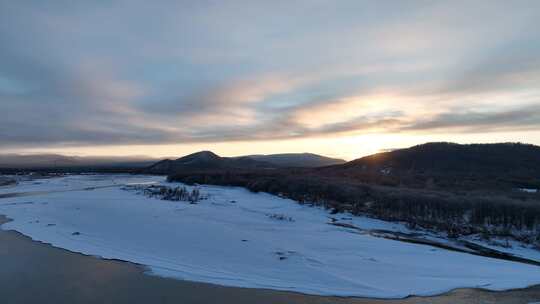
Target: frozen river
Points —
{"points": [[243, 239]]}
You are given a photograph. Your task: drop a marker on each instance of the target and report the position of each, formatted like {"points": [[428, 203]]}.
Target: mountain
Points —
{"points": [[205, 160], [306, 160], [51, 161], [451, 165]]}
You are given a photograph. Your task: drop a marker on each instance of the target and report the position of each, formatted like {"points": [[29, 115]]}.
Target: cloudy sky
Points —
{"points": [[341, 78]]}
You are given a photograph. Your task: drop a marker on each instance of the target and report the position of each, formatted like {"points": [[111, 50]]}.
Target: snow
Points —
{"points": [[528, 190], [506, 245], [243, 243]]}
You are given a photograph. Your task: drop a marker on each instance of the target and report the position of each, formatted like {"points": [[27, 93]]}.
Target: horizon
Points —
{"points": [[136, 157], [343, 80]]}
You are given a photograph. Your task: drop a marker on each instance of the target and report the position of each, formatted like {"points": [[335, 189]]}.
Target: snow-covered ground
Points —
{"points": [[235, 238]]}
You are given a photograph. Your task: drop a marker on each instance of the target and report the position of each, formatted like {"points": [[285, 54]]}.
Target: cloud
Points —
{"points": [[184, 72], [525, 118]]}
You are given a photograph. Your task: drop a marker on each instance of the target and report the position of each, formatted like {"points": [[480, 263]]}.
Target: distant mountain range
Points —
{"points": [[197, 161], [52, 161], [429, 166], [206, 160]]}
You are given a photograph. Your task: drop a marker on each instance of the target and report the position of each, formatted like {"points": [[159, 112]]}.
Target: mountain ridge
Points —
{"points": [[203, 160], [207, 160], [52, 160]]}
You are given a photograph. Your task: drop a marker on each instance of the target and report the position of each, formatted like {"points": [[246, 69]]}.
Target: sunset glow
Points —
{"points": [[341, 79]]}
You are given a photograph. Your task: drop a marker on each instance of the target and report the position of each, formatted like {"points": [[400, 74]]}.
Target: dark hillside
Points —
{"points": [[447, 165], [204, 160]]}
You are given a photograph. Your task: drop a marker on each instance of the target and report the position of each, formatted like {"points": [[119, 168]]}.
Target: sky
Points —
{"points": [[338, 78]]}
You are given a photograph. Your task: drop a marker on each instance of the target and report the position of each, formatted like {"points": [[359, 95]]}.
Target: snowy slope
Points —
{"points": [[233, 239]]}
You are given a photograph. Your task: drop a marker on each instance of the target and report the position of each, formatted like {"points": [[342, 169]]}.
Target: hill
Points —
{"points": [[448, 165], [205, 160]]}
